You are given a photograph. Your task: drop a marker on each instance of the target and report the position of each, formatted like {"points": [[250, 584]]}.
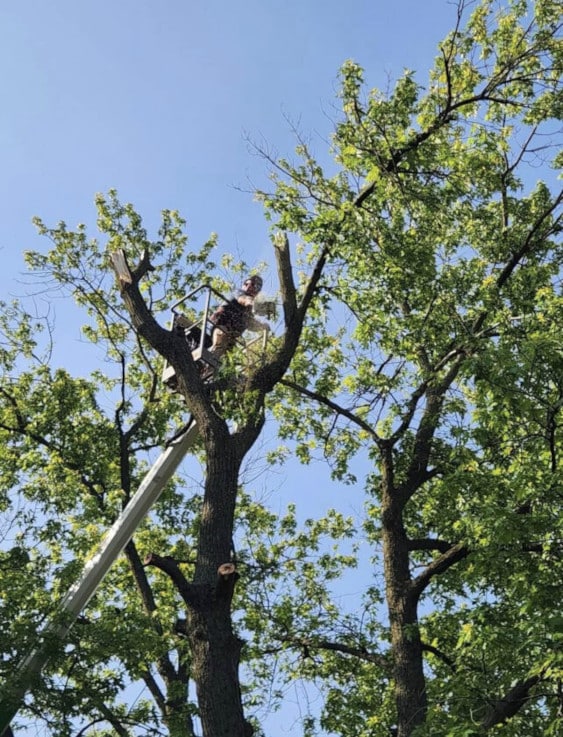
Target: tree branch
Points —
{"points": [[440, 565], [285, 275], [190, 593], [113, 720], [307, 644], [528, 244], [439, 654], [429, 544], [143, 267], [156, 693], [312, 285], [517, 257], [194, 595], [142, 318], [508, 705], [266, 377], [166, 342], [357, 652], [165, 665], [417, 472], [333, 406]]}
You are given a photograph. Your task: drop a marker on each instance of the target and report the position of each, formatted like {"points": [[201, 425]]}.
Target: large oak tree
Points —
{"points": [[436, 355], [422, 335]]}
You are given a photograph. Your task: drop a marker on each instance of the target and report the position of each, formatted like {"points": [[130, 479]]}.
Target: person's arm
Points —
{"points": [[245, 300], [251, 322], [256, 326]]}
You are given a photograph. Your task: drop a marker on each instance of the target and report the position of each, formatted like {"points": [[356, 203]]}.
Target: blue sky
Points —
{"points": [[158, 99]]}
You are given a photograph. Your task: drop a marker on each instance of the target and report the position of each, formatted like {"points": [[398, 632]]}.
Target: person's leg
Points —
{"points": [[222, 342]]}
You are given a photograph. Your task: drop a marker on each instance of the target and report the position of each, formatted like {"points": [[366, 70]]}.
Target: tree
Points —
{"points": [[81, 466], [74, 449], [215, 651], [436, 354], [421, 336]]}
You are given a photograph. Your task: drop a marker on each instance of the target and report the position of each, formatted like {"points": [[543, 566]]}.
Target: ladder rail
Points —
{"points": [[95, 568]]}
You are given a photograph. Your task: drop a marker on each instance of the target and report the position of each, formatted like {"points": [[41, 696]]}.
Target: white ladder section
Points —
{"points": [[94, 571]]}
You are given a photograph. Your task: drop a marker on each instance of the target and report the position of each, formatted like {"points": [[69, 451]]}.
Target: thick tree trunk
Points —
{"points": [[215, 653], [409, 682], [215, 648]]}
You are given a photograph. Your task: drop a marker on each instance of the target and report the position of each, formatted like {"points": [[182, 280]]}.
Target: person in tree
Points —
{"points": [[231, 319]]}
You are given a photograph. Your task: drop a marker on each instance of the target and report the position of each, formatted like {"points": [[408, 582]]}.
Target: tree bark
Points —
{"points": [[408, 674], [215, 647], [510, 704], [216, 654]]}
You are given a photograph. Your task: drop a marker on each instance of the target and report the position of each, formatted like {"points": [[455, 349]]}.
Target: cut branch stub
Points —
{"points": [[227, 576], [121, 267], [226, 570]]}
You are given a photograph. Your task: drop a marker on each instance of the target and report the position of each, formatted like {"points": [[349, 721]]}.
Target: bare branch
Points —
{"points": [[190, 593], [287, 285], [165, 665], [308, 644], [333, 406], [357, 652]]}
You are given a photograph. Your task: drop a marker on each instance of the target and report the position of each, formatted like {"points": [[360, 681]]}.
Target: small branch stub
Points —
{"points": [[226, 570], [227, 577]]}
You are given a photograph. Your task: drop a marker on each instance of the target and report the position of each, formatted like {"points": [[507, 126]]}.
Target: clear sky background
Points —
{"points": [[158, 100]]}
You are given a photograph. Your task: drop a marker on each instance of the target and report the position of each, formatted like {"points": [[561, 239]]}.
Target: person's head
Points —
{"points": [[252, 285]]}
